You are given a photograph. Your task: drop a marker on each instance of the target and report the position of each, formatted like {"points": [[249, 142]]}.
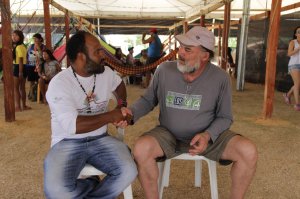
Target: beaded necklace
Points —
{"points": [[89, 97]]}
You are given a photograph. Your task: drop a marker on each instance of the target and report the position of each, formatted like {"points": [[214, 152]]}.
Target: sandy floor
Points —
{"points": [[25, 142]]}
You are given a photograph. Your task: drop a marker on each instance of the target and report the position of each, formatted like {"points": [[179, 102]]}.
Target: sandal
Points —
{"points": [[287, 100], [297, 107]]}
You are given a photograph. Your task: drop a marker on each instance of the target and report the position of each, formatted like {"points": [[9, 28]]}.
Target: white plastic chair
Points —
{"points": [[164, 173], [89, 170]]}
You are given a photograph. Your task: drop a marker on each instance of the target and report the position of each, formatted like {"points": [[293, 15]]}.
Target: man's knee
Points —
{"points": [[146, 147], [54, 189], [240, 148], [250, 153], [247, 151]]}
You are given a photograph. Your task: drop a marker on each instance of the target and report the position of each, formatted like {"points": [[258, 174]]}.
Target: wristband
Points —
{"points": [[122, 103]]}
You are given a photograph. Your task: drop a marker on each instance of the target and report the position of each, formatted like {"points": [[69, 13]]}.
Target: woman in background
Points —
{"points": [[35, 58], [19, 61], [294, 69], [47, 71]]}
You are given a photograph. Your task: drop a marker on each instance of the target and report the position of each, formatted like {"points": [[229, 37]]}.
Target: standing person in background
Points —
{"points": [[47, 70], [129, 58], [230, 63], [154, 50], [35, 56], [143, 60], [294, 69], [19, 61], [144, 57], [130, 61], [119, 56]]}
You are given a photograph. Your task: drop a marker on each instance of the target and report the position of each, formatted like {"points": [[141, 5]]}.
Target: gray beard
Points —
{"points": [[185, 68]]}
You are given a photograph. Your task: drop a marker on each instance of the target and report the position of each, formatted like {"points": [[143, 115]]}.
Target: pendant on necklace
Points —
{"points": [[89, 98]]}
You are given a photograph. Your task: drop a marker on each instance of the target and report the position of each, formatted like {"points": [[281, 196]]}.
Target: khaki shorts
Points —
{"points": [[173, 147]]}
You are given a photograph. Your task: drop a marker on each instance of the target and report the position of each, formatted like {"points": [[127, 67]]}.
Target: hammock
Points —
{"points": [[60, 53], [132, 70]]}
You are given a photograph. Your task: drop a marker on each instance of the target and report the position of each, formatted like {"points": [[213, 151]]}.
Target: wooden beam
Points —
{"points": [[271, 58], [290, 7], [176, 25], [219, 44], [202, 20], [225, 35], [9, 102], [47, 24], [40, 24], [197, 11], [131, 26], [67, 30], [260, 16], [185, 27]]}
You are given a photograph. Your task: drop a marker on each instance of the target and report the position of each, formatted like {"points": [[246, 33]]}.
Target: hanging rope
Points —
{"points": [[132, 70]]}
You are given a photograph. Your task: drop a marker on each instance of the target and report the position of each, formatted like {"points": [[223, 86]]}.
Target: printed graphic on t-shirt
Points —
{"points": [[183, 101], [93, 106]]}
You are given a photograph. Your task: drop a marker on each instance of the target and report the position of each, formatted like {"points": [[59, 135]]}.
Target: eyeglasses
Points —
{"points": [[298, 32]]}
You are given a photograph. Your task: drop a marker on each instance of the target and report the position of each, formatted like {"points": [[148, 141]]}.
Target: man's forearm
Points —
{"points": [[85, 124]]}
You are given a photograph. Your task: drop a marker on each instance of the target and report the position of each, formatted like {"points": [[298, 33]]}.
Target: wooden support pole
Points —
{"points": [[225, 34], [170, 41], [67, 25], [175, 41], [271, 58], [185, 27], [47, 24], [67, 29], [219, 45], [202, 21], [9, 102]]}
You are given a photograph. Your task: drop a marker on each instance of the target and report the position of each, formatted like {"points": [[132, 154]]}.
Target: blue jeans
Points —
{"points": [[66, 159]]}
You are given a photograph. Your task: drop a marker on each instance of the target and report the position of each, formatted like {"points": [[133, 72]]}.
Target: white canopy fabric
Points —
{"points": [[139, 9]]}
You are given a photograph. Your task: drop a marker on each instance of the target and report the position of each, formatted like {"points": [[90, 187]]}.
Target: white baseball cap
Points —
{"points": [[198, 36]]}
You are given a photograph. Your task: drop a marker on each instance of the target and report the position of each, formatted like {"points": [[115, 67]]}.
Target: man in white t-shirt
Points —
{"points": [[78, 98]]}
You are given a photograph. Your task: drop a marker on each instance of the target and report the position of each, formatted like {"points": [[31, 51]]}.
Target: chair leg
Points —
{"points": [[161, 166], [213, 179], [198, 173], [38, 94], [128, 193], [166, 173]]}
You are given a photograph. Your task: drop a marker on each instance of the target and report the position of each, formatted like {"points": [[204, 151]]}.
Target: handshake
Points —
{"points": [[123, 118]]}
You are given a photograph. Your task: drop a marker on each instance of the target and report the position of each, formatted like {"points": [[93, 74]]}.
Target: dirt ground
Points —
{"points": [[25, 142]]}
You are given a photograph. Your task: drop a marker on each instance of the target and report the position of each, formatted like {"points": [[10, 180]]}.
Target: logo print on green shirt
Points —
{"points": [[183, 101]]}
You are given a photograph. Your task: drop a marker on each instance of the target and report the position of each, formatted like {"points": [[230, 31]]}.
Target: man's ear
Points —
{"points": [[81, 56], [206, 56]]}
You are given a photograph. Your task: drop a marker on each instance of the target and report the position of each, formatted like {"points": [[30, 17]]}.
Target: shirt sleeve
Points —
{"points": [[115, 78], [224, 118], [62, 106], [148, 101]]}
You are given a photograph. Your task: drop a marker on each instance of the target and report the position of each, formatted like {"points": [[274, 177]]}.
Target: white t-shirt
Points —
{"points": [[295, 58], [67, 100]]}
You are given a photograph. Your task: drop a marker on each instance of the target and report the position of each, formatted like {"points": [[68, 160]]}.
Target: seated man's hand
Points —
{"points": [[199, 143], [117, 116], [127, 118]]}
